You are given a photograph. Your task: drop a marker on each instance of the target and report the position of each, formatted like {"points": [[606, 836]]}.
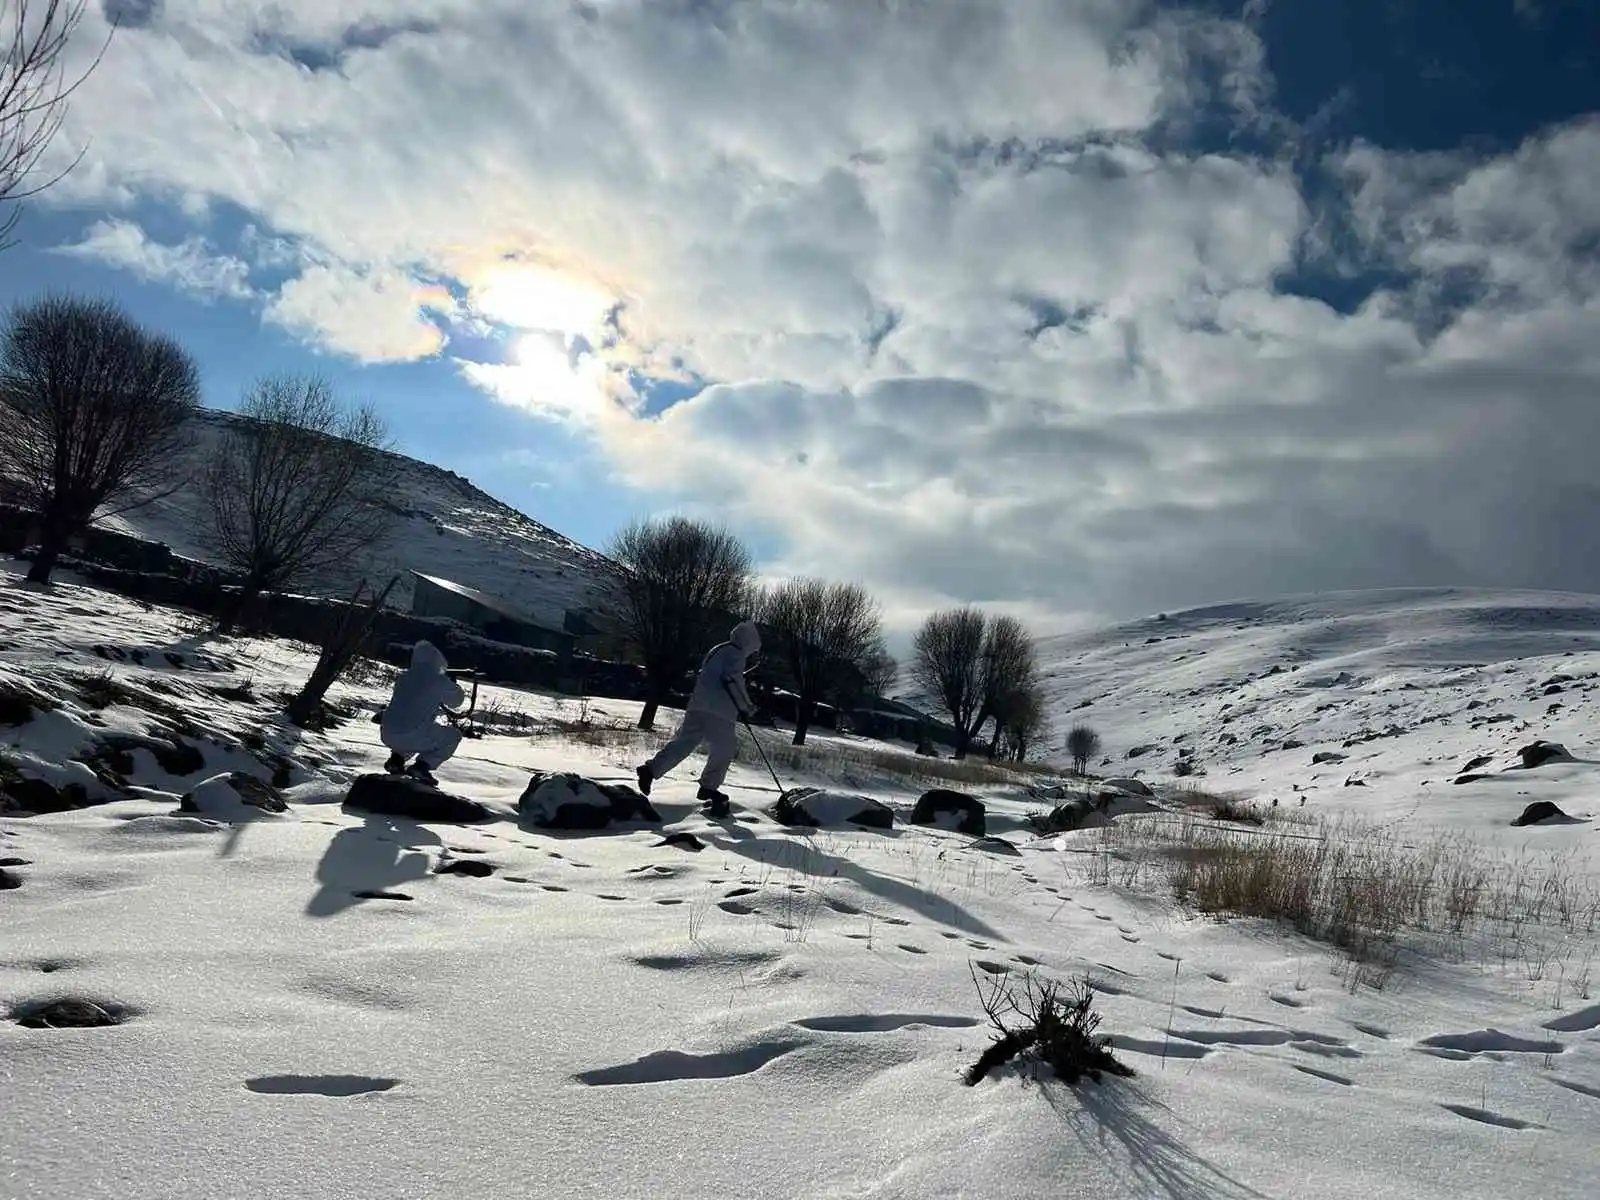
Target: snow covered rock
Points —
{"points": [[32, 797], [569, 801], [233, 796], [1327, 756], [1134, 787], [816, 807], [1536, 754], [402, 796], [950, 810], [1540, 810]]}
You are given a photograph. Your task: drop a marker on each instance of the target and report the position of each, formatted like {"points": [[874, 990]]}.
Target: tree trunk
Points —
{"points": [[805, 712], [343, 638], [44, 562], [647, 718], [234, 609]]}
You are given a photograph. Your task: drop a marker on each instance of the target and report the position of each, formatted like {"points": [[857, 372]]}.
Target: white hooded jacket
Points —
{"points": [[419, 693], [720, 689]]}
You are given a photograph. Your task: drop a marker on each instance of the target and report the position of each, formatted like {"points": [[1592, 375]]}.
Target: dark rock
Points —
{"points": [[24, 797], [1134, 787], [938, 806], [246, 790], [1327, 756], [1353, 781], [1536, 754], [683, 839], [994, 845], [1293, 744], [1141, 751], [1540, 810], [8, 881], [402, 796], [464, 866], [1474, 705], [816, 807], [1470, 777], [1482, 760], [69, 1013], [1555, 689], [15, 862], [568, 801]]}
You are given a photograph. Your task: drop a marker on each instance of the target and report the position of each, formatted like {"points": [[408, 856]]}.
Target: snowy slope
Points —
{"points": [[444, 527], [779, 1014]]}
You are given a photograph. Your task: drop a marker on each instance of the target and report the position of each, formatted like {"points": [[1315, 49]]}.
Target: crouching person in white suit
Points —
{"points": [[408, 726], [719, 700]]}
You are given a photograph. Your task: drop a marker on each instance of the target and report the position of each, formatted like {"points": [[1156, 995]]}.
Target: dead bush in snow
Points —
{"points": [[1047, 1024]]}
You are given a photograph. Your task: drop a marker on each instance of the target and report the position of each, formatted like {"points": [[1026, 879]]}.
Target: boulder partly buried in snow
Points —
{"points": [[1087, 812], [568, 801], [1540, 810], [1536, 754], [816, 807], [233, 796], [403, 796], [1134, 787], [995, 845], [949, 809]]}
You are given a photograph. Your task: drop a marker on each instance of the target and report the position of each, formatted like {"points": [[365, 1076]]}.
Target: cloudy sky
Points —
{"points": [[1082, 308]]}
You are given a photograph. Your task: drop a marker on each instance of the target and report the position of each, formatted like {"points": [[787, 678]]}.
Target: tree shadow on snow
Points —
{"points": [[1115, 1115], [379, 855], [787, 852]]}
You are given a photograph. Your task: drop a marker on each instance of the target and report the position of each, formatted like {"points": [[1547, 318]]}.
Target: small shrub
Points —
{"points": [[1239, 813], [102, 689], [1047, 1026]]}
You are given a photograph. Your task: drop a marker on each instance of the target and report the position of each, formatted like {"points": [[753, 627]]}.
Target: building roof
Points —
{"points": [[501, 608]]}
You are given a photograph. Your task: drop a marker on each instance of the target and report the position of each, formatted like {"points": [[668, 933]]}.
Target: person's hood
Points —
{"points": [[746, 637], [425, 656]]}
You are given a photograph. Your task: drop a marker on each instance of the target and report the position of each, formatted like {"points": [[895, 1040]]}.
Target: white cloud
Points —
{"points": [[373, 315], [974, 338], [191, 266]]}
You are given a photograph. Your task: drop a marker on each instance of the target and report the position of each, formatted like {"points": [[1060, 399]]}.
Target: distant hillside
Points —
{"points": [[1237, 687], [444, 526]]}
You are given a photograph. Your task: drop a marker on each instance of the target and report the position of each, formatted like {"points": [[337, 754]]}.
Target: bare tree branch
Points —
{"points": [[947, 663], [34, 90], [676, 579], [823, 631], [296, 488], [92, 415]]}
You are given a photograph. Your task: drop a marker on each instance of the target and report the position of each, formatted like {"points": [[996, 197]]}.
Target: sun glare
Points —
{"points": [[532, 297]]}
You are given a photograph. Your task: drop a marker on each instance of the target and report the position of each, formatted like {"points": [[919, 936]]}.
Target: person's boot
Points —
{"points": [[646, 778], [396, 764], [419, 771], [714, 802]]}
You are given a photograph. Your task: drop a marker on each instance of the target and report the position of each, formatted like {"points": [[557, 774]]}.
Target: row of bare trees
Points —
{"points": [[95, 420], [680, 582]]}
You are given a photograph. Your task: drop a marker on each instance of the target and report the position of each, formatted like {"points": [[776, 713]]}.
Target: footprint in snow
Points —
{"points": [[1483, 1041], [1132, 938], [1573, 1022], [553, 887], [1026, 960], [949, 935], [319, 1085], [1583, 1089], [741, 891], [668, 1066], [737, 909], [1370, 1030], [669, 901], [1342, 1080], [1214, 976], [1167, 954], [895, 921], [1489, 1118], [1286, 1001], [910, 949], [993, 968], [609, 896]]}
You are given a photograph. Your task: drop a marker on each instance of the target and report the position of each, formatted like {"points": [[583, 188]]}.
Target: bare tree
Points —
{"points": [[93, 409], [34, 89], [1083, 743], [677, 579], [880, 670], [346, 627], [296, 488], [1020, 720], [947, 663], [823, 632], [1009, 668]]}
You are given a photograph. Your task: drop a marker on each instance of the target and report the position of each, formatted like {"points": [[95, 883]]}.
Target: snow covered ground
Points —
{"points": [[779, 1013]]}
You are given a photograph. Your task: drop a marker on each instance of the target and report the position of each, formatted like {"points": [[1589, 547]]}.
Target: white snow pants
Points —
{"points": [[434, 743], [718, 734]]}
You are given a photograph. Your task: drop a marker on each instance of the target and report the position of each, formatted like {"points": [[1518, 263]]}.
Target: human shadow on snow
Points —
{"points": [[807, 858], [376, 856]]}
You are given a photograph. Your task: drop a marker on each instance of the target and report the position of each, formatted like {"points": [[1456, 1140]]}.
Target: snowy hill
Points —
{"points": [[319, 1002], [444, 527], [1395, 680]]}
